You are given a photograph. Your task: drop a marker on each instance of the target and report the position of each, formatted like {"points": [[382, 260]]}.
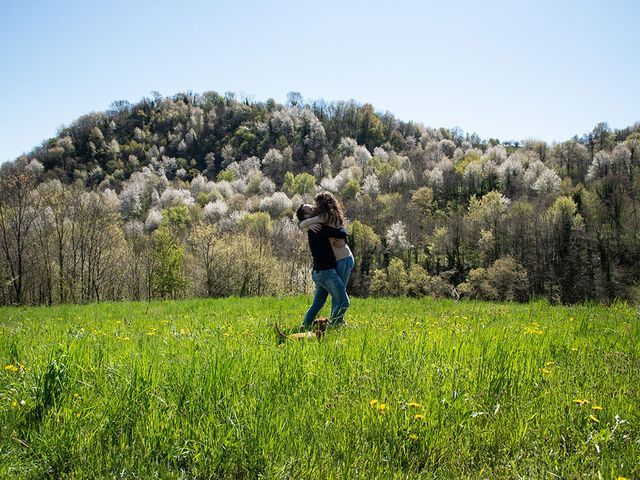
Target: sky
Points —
{"points": [[510, 70]]}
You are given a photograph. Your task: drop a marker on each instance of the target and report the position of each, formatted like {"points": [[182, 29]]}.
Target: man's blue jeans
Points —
{"points": [[328, 282]]}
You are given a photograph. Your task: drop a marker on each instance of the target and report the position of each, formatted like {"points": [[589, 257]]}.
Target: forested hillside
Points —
{"points": [[194, 195]]}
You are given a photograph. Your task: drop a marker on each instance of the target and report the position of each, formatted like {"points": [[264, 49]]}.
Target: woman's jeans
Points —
{"points": [[332, 282]]}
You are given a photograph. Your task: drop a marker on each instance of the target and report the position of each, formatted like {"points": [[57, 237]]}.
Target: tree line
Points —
{"points": [[193, 195]]}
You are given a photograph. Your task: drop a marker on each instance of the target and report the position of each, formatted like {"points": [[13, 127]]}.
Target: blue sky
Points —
{"points": [[504, 69]]}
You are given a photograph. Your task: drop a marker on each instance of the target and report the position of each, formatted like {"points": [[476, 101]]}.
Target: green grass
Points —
{"points": [[201, 389]]}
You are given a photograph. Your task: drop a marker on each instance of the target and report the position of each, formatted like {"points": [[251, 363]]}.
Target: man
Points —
{"points": [[324, 272]]}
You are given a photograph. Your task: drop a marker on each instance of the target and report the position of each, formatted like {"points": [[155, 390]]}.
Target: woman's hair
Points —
{"points": [[328, 206]]}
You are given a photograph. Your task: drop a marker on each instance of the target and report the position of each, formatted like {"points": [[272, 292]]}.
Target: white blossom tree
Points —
{"points": [[214, 211], [396, 238]]}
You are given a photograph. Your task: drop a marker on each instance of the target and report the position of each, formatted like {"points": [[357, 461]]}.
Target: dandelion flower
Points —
{"points": [[383, 407], [596, 407], [11, 368], [413, 437], [577, 401], [413, 405], [419, 416], [593, 419], [373, 403], [549, 364]]}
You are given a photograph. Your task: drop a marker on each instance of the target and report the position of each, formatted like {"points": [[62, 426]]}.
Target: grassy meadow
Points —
{"points": [[411, 389]]}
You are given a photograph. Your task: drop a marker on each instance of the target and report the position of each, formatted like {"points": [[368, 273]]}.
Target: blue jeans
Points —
{"points": [[328, 282], [344, 266]]}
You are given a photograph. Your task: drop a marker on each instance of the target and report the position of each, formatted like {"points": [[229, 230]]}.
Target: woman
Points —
{"points": [[328, 212]]}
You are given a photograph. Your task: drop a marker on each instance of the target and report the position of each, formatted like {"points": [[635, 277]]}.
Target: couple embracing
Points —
{"points": [[332, 258]]}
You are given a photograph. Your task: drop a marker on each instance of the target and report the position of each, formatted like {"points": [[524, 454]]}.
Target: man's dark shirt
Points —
{"points": [[321, 251]]}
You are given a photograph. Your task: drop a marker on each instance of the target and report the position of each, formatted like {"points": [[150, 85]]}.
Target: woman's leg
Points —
{"points": [[319, 299], [344, 267]]}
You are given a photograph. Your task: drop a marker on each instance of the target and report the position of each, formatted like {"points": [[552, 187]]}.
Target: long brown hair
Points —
{"points": [[328, 206]]}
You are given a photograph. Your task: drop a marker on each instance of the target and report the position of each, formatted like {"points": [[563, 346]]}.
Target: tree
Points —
{"points": [[572, 159], [365, 245], [300, 184], [490, 212], [57, 199], [168, 263], [18, 210], [203, 240], [565, 232], [350, 190]]}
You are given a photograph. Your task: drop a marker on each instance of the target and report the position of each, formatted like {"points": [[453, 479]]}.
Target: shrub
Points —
{"points": [[393, 282], [420, 284], [506, 279]]}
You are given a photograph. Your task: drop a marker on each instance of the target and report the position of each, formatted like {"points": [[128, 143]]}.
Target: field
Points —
{"points": [[411, 389]]}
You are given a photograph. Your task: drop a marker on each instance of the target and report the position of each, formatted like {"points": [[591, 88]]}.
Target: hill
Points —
{"points": [[209, 180]]}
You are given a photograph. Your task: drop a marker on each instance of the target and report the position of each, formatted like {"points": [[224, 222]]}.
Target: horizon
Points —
{"points": [[510, 72]]}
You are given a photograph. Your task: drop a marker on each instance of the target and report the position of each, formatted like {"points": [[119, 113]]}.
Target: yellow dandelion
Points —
{"points": [[577, 401], [574, 349], [545, 371], [383, 407], [549, 364], [373, 403], [419, 416], [77, 415], [533, 329], [593, 419], [413, 437], [413, 405], [11, 368], [14, 404], [621, 478], [596, 407], [125, 338]]}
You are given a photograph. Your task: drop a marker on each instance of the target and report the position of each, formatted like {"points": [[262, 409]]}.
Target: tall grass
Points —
{"points": [[412, 388]]}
